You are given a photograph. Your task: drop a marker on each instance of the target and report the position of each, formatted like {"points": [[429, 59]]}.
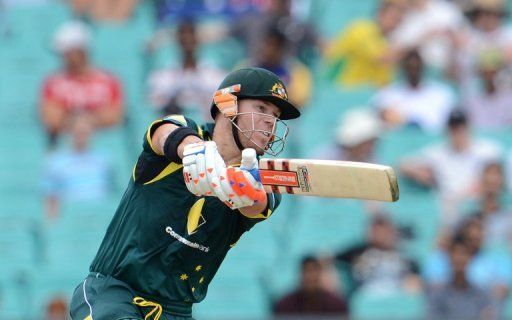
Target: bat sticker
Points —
{"points": [[303, 174]]}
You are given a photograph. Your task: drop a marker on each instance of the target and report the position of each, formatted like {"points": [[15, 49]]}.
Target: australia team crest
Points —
{"points": [[278, 90]]}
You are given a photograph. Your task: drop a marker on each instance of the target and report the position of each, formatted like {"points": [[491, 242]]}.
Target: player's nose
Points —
{"points": [[269, 123]]}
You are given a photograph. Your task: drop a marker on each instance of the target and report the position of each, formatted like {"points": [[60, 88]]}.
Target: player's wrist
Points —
{"points": [[187, 142], [255, 209], [176, 142]]}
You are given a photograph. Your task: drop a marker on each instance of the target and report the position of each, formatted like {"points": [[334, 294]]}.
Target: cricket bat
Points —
{"points": [[327, 178]]}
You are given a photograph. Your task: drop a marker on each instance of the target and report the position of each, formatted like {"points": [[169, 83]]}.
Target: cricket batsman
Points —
{"points": [[187, 203]]}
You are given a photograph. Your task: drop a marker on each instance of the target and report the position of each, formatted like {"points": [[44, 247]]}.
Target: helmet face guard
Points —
{"points": [[276, 138]]}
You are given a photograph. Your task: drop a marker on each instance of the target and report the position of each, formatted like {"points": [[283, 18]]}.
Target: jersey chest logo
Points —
{"points": [[195, 219]]}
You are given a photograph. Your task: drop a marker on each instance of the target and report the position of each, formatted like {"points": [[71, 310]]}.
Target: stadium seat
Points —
{"points": [[367, 306], [338, 14], [398, 143], [245, 295], [328, 104]]}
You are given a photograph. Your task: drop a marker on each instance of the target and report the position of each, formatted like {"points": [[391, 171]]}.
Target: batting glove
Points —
{"points": [[243, 184], [195, 157]]}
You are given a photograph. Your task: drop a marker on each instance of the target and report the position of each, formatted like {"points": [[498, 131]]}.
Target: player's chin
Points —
{"points": [[259, 151]]}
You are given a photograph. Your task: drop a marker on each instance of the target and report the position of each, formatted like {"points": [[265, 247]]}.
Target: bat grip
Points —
{"points": [[249, 160], [250, 163]]}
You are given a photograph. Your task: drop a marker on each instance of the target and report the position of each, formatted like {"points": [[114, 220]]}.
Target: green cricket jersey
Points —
{"points": [[163, 241]]}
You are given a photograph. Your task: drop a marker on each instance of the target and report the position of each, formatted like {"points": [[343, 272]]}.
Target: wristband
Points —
{"points": [[173, 140]]}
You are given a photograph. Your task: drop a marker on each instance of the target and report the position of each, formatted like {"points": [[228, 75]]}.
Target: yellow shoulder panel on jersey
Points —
{"points": [[176, 118], [148, 134], [167, 171], [179, 118], [200, 132], [271, 200], [260, 216]]}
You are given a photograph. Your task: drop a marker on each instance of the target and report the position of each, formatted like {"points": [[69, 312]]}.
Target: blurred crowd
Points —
{"points": [[441, 67]]}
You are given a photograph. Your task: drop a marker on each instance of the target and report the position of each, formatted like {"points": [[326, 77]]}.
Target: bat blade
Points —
{"points": [[327, 178]]}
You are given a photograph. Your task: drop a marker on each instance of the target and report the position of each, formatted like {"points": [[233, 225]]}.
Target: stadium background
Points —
{"points": [[40, 260]]}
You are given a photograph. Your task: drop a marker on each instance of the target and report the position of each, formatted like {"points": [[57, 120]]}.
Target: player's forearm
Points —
{"points": [[53, 116], [418, 173], [108, 116]]}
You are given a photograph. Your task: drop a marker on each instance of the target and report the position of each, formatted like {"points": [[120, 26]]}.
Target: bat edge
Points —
{"points": [[393, 184]]}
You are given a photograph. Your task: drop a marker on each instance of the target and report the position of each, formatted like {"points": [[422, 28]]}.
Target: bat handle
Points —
{"points": [[250, 162]]}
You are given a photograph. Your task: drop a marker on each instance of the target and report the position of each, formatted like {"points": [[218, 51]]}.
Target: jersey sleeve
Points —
{"points": [[246, 223], [178, 120], [150, 166]]}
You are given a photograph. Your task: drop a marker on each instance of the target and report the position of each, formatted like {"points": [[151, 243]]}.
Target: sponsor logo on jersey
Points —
{"points": [[186, 241]]}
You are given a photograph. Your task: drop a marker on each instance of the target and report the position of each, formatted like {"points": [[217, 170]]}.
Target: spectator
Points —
{"points": [[429, 25], [508, 172], [497, 218], [377, 266], [458, 298], [57, 309], [79, 87], [452, 167], [9, 3], [79, 174], [273, 55], [416, 102], [364, 48], [487, 270], [100, 10], [487, 31], [311, 299], [489, 101], [188, 88], [356, 137], [251, 30]]}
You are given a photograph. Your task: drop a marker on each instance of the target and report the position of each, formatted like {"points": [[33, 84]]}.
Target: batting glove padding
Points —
{"points": [[194, 166], [205, 174], [244, 182]]}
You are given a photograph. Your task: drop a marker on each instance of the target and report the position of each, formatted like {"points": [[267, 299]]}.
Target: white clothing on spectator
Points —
{"points": [[436, 17], [427, 106], [489, 111]]}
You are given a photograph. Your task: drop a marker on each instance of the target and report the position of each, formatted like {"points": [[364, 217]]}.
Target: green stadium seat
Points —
{"points": [[326, 225], [507, 308], [367, 306], [74, 238], [419, 211], [400, 142], [328, 104], [40, 260], [15, 293], [17, 241], [244, 294], [500, 136], [336, 15], [20, 252]]}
